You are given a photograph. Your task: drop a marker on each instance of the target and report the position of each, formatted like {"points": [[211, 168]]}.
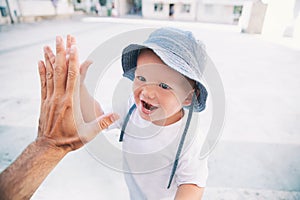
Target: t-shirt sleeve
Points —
{"points": [[192, 171], [191, 168]]}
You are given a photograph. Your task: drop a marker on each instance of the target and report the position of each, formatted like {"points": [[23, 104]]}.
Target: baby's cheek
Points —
{"points": [[171, 101], [182, 95], [174, 97]]}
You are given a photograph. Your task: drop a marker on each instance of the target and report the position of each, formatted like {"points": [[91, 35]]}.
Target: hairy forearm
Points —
{"points": [[21, 179]]}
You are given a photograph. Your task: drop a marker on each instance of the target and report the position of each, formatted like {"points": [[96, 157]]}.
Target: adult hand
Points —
{"points": [[61, 121], [61, 125], [90, 108]]}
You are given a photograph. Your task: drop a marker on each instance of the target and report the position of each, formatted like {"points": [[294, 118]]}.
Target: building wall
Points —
{"points": [[252, 18], [181, 10], [215, 13], [278, 15], [14, 10], [200, 10], [44, 8], [123, 7], [29, 10], [161, 12]]}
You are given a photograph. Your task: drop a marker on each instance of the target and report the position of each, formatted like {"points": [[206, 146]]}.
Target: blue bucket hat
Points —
{"points": [[179, 50]]}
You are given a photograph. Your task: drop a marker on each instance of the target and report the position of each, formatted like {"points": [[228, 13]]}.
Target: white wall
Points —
{"points": [[215, 13], [44, 8], [278, 15], [252, 18], [123, 7], [185, 16], [148, 10]]}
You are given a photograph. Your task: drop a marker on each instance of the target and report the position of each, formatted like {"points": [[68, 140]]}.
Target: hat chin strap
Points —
{"points": [[180, 146], [179, 149]]}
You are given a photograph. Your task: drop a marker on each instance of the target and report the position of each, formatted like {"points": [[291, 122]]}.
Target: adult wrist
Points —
{"points": [[46, 145]]}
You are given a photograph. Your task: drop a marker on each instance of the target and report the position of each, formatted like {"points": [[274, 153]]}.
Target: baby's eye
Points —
{"points": [[140, 78], [164, 86]]}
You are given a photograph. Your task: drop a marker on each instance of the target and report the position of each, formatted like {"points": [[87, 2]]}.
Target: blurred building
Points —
{"points": [[213, 11], [273, 18], [30, 10]]}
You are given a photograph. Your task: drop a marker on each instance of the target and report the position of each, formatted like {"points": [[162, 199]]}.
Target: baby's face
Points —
{"points": [[159, 91]]}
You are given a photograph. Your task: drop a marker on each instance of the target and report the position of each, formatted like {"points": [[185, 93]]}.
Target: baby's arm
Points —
{"points": [[189, 192], [90, 108]]}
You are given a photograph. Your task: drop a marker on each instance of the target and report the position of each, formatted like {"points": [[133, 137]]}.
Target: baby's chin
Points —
{"points": [[160, 121]]}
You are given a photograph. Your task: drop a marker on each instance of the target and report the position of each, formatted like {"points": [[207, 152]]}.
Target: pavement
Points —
{"points": [[257, 156]]}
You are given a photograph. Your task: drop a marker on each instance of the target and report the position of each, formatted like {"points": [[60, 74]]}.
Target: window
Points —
{"points": [[158, 7], [171, 10], [237, 12], [186, 8]]}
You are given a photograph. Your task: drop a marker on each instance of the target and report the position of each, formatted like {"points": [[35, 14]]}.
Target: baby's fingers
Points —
{"points": [[105, 121], [90, 130]]}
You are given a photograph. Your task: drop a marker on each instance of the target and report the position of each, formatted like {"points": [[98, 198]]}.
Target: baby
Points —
{"points": [[160, 148]]}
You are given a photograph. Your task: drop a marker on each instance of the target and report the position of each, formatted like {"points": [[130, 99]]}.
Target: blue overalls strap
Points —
{"points": [[126, 122]]}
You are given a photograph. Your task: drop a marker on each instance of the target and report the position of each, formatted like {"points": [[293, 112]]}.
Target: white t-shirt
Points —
{"points": [[149, 152]]}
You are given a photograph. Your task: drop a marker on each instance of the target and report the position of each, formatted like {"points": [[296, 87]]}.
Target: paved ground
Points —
{"points": [[258, 154]]}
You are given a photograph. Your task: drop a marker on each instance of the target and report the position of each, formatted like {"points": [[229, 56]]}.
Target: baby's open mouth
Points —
{"points": [[148, 106]]}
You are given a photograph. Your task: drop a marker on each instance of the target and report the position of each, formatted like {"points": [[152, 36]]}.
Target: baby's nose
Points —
{"points": [[149, 91]]}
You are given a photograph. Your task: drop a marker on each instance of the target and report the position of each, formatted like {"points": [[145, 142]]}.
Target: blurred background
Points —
{"points": [[269, 17], [254, 44]]}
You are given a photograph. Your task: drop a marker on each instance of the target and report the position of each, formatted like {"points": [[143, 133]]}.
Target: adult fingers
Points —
{"points": [[73, 89], [70, 41], [42, 73], [68, 47], [60, 68], [73, 40], [68, 44], [51, 56], [73, 70], [49, 73], [43, 79]]}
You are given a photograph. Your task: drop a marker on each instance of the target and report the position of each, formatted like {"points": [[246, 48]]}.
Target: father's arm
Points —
{"points": [[21, 179], [61, 127]]}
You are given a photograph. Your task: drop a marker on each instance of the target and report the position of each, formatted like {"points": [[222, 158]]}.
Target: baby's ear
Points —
{"points": [[188, 100]]}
